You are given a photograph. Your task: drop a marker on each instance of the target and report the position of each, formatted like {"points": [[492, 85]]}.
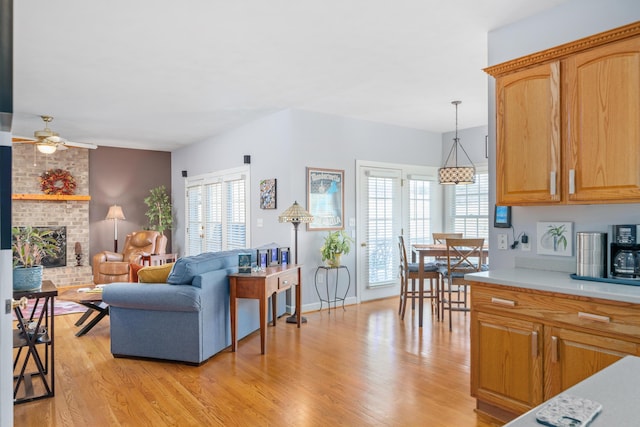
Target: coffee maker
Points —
{"points": [[624, 254]]}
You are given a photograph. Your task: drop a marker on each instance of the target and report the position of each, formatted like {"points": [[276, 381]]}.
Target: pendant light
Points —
{"points": [[454, 174]]}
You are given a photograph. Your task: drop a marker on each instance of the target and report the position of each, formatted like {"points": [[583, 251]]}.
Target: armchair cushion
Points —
{"points": [[155, 273]]}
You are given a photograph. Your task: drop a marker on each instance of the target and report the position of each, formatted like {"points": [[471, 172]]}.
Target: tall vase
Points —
{"points": [[27, 279]]}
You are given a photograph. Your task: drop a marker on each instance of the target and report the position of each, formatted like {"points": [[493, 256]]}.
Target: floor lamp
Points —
{"points": [[295, 214], [115, 213]]}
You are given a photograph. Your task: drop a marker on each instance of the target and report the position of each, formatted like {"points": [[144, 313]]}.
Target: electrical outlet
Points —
{"points": [[502, 242], [525, 246]]}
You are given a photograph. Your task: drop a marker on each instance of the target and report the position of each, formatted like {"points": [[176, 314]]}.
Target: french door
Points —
{"points": [[393, 200]]}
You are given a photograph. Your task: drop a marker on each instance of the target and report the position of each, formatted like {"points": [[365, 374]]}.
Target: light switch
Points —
{"points": [[352, 222], [259, 222], [502, 242]]}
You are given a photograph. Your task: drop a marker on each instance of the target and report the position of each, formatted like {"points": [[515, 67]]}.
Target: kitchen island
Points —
{"points": [[615, 388], [535, 333]]}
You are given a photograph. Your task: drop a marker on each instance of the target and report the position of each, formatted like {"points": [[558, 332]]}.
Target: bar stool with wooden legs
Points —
{"points": [[409, 271]]}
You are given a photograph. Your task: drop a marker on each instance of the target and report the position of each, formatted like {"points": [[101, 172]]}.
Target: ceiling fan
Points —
{"points": [[48, 141]]}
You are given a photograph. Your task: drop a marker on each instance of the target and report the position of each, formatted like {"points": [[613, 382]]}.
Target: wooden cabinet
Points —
{"points": [[568, 123], [514, 378], [528, 130], [602, 123], [527, 345]]}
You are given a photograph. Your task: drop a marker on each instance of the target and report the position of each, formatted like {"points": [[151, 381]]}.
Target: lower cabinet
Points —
{"points": [[507, 361], [527, 346]]}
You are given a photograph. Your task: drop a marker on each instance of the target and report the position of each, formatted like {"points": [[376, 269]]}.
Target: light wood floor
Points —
{"points": [[359, 367]]}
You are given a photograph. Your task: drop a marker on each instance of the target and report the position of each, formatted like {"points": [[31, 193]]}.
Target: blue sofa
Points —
{"points": [[186, 319]]}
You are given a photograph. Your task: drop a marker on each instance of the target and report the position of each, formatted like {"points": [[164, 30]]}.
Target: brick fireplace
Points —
{"points": [[29, 207]]}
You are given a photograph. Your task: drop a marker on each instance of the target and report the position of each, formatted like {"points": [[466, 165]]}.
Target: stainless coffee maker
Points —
{"points": [[625, 251]]}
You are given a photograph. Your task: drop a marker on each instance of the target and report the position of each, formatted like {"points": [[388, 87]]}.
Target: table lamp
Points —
{"points": [[295, 214], [115, 213]]}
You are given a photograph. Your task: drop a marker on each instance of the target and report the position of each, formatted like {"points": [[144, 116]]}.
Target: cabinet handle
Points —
{"points": [[534, 344], [505, 302], [552, 182], [572, 181], [595, 317], [554, 349]]}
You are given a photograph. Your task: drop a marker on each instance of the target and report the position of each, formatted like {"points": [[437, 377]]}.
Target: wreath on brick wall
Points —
{"points": [[57, 181]]}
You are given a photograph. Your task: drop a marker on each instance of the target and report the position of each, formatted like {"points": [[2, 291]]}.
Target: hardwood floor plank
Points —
{"points": [[363, 366]]}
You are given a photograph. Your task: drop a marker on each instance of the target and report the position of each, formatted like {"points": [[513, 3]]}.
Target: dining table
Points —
{"points": [[420, 251]]}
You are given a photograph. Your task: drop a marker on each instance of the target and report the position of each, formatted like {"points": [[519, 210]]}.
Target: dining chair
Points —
{"points": [[463, 256], [410, 271], [440, 239]]}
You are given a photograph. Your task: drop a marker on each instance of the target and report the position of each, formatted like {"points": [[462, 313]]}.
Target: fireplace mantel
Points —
{"points": [[50, 197]]}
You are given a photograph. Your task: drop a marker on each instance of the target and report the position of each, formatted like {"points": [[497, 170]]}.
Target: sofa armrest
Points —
{"points": [[152, 296]]}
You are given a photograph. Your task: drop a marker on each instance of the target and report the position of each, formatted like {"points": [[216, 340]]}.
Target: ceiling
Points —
{"points": [[159, 74]]}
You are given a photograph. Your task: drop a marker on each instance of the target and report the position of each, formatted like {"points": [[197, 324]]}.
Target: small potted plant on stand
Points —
{"points": [[29, 246], [335, 244]]}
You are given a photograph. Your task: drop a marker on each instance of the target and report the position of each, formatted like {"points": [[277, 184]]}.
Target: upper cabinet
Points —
{"points": [[568, 123]]}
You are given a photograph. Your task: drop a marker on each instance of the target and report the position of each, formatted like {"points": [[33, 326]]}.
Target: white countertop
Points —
{"points": [[615, 388], [561, 282]]}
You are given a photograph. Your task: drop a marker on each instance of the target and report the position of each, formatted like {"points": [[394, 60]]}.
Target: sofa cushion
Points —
{"points": [[186, 268], [155, 273]]}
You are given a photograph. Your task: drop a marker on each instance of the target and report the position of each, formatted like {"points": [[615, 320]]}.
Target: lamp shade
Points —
{"points": [[295, 213], [457, 175], [115, 212]]}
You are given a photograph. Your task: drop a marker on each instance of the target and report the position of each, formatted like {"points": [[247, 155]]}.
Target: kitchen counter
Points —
{"points": [[560, 282], [615, 388]]}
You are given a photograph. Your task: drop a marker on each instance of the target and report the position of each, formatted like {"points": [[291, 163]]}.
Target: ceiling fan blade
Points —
{"points": [[23, 139], [79, 144]]}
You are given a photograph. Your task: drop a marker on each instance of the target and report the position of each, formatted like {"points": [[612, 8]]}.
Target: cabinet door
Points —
{"points": [[573, 356], [602, 122], [508, 372], [528, 136]]}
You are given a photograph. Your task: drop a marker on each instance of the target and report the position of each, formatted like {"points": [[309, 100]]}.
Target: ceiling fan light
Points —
{"points": [[46, 148]]}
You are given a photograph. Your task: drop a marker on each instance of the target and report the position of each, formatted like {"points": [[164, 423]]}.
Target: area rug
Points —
{"points": [[60, 308]]}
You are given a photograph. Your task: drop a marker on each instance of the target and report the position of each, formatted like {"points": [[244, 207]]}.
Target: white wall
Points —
{"points": [[281, 146], [570, 21]]}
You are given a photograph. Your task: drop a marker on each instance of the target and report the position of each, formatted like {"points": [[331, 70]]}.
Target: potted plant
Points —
{"points": [[335, 244], [30, 245], [159, 212]]}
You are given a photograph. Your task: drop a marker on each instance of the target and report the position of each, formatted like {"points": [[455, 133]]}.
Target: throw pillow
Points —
{"points": [[155, 273]]}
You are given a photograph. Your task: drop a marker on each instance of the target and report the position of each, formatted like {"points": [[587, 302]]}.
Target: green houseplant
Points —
{"points": [[159, 212], [30, 245], [335, 244]]}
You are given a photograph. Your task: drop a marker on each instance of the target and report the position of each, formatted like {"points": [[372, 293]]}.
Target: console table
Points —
{"points": [[37, 361], [336, 298], [261, 285]]}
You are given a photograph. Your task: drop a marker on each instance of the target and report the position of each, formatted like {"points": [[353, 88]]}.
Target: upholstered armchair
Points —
{"points": [[111, 267]]}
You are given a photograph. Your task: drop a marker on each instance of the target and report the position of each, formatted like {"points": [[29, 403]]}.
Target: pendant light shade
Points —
{"points": [[452, 173]]}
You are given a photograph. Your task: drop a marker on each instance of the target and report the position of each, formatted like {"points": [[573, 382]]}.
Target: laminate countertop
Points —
{"points": [[615, 388], [559, 282]]}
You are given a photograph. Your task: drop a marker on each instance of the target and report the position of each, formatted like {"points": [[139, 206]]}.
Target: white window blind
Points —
{"points": [[419, 211], [467, 208], [383, 223], [217, 207]]}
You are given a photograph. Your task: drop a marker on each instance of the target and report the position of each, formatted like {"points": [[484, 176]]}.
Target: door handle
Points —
{"points": [[363, 244]]}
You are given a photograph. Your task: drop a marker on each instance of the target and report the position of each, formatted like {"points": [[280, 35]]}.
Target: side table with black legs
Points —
{"points": [[336, 298], [33, 339]]}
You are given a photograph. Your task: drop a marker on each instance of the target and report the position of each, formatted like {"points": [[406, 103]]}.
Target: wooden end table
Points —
{"points": [[262, 285], [91, 300]]}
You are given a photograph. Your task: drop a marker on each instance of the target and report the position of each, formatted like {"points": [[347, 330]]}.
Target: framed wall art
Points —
{"points": [[555, 238], [325, 198], [268, 197]]}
